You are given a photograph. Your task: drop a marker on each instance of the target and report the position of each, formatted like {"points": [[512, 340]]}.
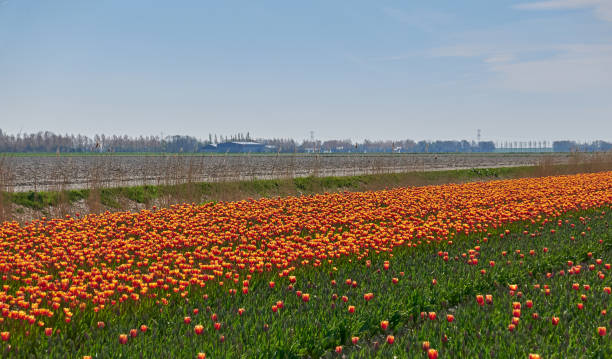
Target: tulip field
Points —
{"points": [[505, 269]]}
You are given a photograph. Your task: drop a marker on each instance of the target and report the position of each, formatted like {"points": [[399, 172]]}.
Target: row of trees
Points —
{"points": [[50, 142]]}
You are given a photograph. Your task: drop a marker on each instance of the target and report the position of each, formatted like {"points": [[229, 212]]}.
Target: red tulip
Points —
{"points": [[199, 329], [123, 338], [390, 339], [601, 331], [384, 324], [555, 320], [432, 354]]}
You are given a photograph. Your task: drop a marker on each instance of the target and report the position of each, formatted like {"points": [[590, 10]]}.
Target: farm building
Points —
{"points": [[236, 147]]}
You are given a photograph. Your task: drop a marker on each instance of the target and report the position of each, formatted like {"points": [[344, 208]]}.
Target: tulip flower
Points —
{"points": [[123, 338], [384, 324], [390, 339], [432, 354]]}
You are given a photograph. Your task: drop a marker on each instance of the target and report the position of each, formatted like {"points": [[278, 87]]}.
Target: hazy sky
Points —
{"points": [[344, 69]]}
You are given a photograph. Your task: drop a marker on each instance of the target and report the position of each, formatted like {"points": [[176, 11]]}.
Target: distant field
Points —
{"points": [[44, 172]]}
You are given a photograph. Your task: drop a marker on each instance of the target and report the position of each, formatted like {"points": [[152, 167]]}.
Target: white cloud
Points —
{"points": [[566, 68], [427, 21], [601, 8], [499, 58], [574, 69]]}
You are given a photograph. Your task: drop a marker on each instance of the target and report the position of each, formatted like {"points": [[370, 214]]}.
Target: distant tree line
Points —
{"points": [[572, 146], [49, 142]]}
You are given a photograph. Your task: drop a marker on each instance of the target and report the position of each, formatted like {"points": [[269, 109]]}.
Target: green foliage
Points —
{"points": [[34, 200]]}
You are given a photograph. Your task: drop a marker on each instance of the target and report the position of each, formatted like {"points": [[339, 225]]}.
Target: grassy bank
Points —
{"points": [[29, 205], [220, 191]]}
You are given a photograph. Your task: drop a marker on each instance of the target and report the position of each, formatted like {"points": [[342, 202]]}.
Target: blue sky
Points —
{"points": [[518, 70]]}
